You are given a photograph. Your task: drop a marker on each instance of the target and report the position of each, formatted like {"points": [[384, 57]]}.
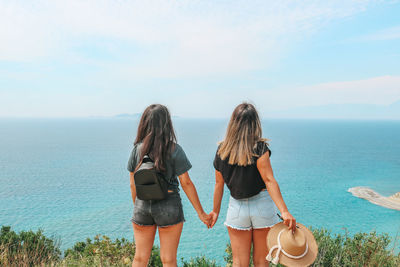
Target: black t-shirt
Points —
{"points": [[242, 181]]}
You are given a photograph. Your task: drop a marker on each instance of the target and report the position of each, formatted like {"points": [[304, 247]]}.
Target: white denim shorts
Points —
{"points": [[255, 212]]}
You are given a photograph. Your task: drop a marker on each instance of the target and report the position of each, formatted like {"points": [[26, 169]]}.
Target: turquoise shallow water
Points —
{"points": [[68, 176]]}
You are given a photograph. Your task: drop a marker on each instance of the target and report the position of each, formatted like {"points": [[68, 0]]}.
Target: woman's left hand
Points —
{"points": [[213, 219], [205, 218], [289, 220]]}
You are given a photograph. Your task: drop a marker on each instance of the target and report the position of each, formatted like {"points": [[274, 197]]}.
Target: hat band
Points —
{"points": [[280, 249]]}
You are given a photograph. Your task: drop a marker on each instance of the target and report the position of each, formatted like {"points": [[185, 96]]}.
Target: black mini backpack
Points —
{"points": [[150, 184]]}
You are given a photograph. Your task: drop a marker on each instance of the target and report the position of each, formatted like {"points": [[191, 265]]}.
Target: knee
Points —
{"points": [[141, 258], [260, 262], [167, 260], [240, 261], [259, 258], [236, 262]]}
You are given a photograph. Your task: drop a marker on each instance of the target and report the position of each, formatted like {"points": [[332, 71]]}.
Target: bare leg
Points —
{"points": [[241, 246], [260, 249], [169, 241], [144, 238]]}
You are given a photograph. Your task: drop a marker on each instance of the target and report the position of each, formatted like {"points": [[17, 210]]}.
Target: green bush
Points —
{"points": [[362, 249], [102, 251], [344, 251], [27, 248], [34, 249], [199, 262], [228, 256]]}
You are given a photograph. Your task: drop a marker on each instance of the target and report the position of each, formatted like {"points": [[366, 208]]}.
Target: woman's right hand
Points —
{"points": [[289, 220], [214, 218], [205, 218]]}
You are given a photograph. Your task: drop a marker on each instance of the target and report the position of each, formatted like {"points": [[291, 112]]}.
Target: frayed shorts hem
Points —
{"points": [[162, 226], [248, 228], [238, 228], [263, 227], [141, 224]]}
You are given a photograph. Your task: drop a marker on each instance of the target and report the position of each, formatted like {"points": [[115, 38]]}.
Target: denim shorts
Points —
{"points": [[255, 212], [162, 213]]}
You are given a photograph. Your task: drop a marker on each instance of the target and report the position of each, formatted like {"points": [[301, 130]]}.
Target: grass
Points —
{"points": [[28, 248]]}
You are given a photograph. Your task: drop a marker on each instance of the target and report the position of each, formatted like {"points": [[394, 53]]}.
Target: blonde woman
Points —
{"points": [[242, 163]]}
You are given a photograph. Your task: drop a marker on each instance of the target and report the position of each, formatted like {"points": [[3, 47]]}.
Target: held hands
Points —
{"points": [[289, 220], [205, 218], [214, 218], [209, 219]]}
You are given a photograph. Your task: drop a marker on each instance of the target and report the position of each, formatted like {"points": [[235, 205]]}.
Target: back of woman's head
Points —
{"points": [[243, 133], [156, 133]]}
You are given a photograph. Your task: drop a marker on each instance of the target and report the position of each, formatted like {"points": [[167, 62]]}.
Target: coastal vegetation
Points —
{"points": [[28, 248]]}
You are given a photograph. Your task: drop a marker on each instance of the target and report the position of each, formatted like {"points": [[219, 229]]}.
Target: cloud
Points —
{"points": [[211, 102], [104, 57], [392, 33], [383, 90], [164, 38]]}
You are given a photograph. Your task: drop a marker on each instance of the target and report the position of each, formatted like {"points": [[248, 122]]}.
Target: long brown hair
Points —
{"points": [[156, 133], [243, 133]]}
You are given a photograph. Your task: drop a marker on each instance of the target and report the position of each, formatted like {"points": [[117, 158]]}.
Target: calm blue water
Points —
{"points": [[68, 176]]}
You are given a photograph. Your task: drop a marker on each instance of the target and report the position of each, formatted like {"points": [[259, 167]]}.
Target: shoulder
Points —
{"points": [[262, 144], [217, 160], [136, 149], [137, 146], [217, 157], [177, 151], [262, 147], [219, 146], [180, 160], [134, 158]]}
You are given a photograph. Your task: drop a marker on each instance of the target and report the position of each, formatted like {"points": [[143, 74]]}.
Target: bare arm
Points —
{"points": [[191, 193], [133, 188], [265, 169], [218, 193]]}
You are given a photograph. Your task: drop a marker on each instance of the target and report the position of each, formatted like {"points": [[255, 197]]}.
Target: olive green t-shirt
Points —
{"points": [[176, 164]]}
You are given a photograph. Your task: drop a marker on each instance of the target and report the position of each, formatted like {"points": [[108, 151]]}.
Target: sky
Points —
{"points": [[199, 58]]}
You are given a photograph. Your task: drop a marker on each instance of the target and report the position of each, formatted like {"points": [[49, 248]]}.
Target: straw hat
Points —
{"points": [[294, 250]]}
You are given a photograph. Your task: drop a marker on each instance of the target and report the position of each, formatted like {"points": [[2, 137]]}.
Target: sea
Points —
{"points": [[69, 177]]}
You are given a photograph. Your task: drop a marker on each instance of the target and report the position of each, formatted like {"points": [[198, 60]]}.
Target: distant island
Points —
{"points": [[334, 111], [132, 116], [392, 202], [128, 116]]}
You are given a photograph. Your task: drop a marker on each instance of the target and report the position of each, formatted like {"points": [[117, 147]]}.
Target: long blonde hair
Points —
{"points": [[243, 133]]}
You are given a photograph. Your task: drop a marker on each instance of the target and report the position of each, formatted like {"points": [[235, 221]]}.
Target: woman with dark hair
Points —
{"points": [[242, 163], [156, 139]]}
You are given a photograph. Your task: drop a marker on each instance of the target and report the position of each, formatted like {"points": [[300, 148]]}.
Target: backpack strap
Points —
{"points": [[146, 159]]}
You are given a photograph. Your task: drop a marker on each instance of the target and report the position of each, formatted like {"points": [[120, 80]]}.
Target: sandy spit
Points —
{"points": [[392, 202]]}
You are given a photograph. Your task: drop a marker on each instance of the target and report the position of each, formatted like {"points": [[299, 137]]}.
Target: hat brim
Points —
{"points": [[307, 260]]}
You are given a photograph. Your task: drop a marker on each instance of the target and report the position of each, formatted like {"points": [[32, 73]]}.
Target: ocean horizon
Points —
{"points": [[69, 178]]}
